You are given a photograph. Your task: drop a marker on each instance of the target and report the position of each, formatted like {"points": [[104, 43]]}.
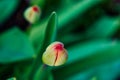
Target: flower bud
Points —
{"points": [[13, 78], [55, 54], [32, 14]]}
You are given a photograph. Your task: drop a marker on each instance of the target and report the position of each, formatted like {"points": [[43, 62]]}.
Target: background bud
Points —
{"points": [[55, 54], [13, 78], [32, 14]]}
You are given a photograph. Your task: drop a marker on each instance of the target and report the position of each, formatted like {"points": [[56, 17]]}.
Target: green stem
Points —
{"points": [[42, 72]]}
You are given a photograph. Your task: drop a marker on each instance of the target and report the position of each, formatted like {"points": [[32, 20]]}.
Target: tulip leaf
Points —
{"points": [[37, 2], [49, 37], [7, 7], [69, 14], [50, 31], [14, 46], [105, 27], [46, 29], [104, 72]]}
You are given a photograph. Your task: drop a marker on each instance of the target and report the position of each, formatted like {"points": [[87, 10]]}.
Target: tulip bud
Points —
{"points": [[94, 78], [32, 14], [55, 54], [13, 78]]}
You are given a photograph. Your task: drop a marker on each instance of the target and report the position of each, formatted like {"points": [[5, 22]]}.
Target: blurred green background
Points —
{"points": [[89, 29]]}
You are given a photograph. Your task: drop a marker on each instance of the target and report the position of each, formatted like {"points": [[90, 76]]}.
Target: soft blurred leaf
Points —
{"points": [[87, 49], [87, 75], [69, 14], [7, 7], [89, 55], [105, 27], [14, 46], [108, 71], [37, 35], [40, 3]]}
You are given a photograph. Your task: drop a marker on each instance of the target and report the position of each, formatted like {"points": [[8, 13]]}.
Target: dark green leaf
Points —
{"points": [[104, 72], [49, 37], [7, 7], [78, 9], [105, 27], [37, 2], [50, 31], [14, 46]]}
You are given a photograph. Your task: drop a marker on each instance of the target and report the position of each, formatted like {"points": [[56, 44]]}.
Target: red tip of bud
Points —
{"points": [[59, 46], [35, 8]]}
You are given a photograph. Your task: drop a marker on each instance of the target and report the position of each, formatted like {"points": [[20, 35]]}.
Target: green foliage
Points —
{"points": [[76, 10], [7, 7], [104, 27], [50, 31], [98, 53], [89, 30], [49, 36], [38, 2], [15, 46]]}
